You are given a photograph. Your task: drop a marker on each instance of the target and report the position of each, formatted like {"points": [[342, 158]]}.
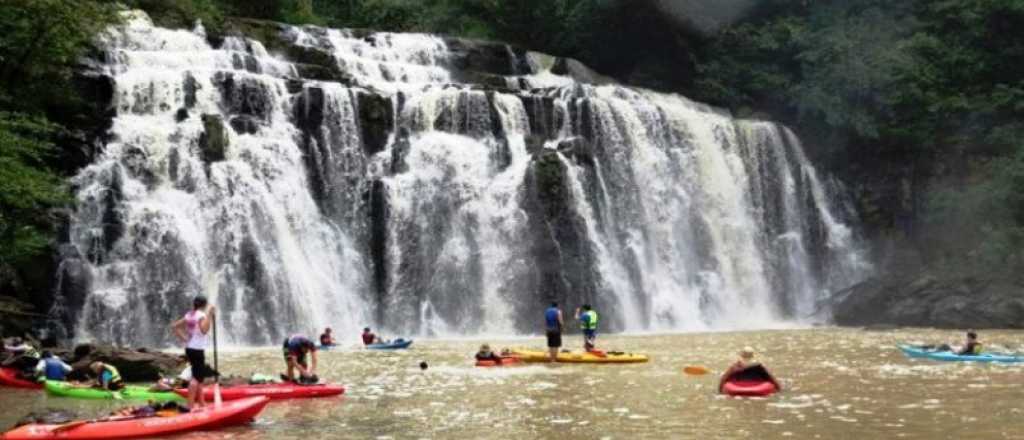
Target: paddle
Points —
{"points": [[213, 284], [72, 425], [696, 370]]}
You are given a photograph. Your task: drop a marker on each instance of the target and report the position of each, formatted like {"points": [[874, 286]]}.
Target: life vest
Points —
{"points": [[54, 369], [588, 324], [115, 376]]}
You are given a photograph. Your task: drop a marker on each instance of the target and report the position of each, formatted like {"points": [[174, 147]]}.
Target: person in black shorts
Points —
{"points": [[553, 330]]}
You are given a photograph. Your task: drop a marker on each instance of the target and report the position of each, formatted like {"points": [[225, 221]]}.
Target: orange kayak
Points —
{"points": [[9, 377], [228, 414], [505, 361], [274, 391]]}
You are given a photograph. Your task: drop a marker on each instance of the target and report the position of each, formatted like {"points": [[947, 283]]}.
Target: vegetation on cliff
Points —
{"points": [[925, 93]]}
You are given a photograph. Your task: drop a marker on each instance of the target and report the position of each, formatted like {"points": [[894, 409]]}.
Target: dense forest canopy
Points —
{"points": [[930, 85]]}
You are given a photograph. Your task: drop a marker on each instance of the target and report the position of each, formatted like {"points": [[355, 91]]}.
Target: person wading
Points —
{"points": [[553, 330], [192, 330]]}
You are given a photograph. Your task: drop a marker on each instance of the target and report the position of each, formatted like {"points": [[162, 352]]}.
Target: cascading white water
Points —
{"points": [[405, 199]]}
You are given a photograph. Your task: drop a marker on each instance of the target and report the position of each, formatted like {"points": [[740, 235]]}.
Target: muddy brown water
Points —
{"points": [[840, 383]]}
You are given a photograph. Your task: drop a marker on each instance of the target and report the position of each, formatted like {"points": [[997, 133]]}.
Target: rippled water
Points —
{"points": [[840, 383]]}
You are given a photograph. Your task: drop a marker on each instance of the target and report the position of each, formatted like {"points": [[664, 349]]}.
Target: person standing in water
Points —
{"points": [[588, 323], [192, 330], [327, 338], [553, 330]]}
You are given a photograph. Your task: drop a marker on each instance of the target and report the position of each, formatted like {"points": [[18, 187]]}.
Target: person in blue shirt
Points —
{"points": [[295, 349], [52, 367], [553, 330]]}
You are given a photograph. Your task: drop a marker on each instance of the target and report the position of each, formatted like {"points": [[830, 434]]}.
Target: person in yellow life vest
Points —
{"points": [[588, 323], [107, 377]]}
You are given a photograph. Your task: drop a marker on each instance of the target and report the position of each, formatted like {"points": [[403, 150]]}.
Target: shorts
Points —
{"points": [[554, 339], [590, 334], [299, 356], [197, 360]]}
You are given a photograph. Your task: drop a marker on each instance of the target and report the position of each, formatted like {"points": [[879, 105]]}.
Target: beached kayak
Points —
{"points": [[228, 414], [736, 387], [610, 357], [397, 344], [9, 378], [272, 390], [505, 362], [130, 392], [918, 352]]}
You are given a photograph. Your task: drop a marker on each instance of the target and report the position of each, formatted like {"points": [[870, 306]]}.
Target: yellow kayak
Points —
{"points": [[611, 357]]}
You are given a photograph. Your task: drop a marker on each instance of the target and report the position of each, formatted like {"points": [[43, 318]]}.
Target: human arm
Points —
{"points": [[178, 328], [40, 367], [64, 366], [313, 355], [561, 323], [207, 321]]}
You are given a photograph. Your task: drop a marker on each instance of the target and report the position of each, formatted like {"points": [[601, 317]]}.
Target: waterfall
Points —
{"points": [[431, 186]]}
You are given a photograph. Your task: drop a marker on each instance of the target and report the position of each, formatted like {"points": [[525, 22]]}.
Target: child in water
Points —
{"points": [[485, 354]]}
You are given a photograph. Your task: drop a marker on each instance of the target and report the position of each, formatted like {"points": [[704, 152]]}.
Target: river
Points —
{"points": [[839, 383]]}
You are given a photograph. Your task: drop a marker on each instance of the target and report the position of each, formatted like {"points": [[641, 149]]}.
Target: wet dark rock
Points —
{"points": [[181, 115], [487, 56], [928, 300], [138, 365], [564, 262], [244, 96], [190, 88], [378, 221], [245, 124], [579, 71], [16, 317], [213, 143], [376, 121]]}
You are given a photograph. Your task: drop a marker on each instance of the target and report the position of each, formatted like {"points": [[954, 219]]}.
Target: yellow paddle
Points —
{"points": [[695, 370]]}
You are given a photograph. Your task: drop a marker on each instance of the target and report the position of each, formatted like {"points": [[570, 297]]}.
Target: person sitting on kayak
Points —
{"points": [[485, 354], [23, 357], [107, 376], [747, 368], [369, 338], [588, 323], [971, 346], [295, 349], [51, 367], [327, 339], [171, 383]]}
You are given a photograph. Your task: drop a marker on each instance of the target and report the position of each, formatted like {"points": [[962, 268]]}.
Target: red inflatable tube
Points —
{"points": [[755, 388]]}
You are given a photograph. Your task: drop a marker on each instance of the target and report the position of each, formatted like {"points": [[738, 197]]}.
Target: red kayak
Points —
{"points": [[752, 388], [505, 361], [274, 391], [9, 378], [228, 414]]}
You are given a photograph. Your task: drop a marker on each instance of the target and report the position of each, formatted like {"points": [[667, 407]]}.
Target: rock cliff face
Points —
{"points": [[928, 300], [305, 177]]}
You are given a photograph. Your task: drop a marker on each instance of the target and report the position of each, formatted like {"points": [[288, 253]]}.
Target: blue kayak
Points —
{"points": [[917, 352], [397, 344]]}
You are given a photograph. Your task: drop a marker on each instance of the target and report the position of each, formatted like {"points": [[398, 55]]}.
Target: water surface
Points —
{"points": [[840, 383]]}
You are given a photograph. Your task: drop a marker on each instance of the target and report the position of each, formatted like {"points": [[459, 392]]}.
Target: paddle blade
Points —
{"points": [[696, 370], [68, 426], [217, 402]]}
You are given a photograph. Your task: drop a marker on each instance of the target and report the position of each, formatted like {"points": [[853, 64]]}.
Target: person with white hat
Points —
{"points": [[746, 367]]}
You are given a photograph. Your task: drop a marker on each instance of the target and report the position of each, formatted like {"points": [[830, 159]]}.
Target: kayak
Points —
{"points": [[505, 362], [610, 357], [130, 392], [9, 378], [274, 391], [756, 388], [228, 414], [917, 352], [397, 344]]}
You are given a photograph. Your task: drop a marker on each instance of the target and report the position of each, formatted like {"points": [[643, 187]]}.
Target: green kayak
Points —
{"points": [[130, 392]]}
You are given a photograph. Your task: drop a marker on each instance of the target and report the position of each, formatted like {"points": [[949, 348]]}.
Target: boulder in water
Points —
{"points": [[140, 365], [214, 140]]}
